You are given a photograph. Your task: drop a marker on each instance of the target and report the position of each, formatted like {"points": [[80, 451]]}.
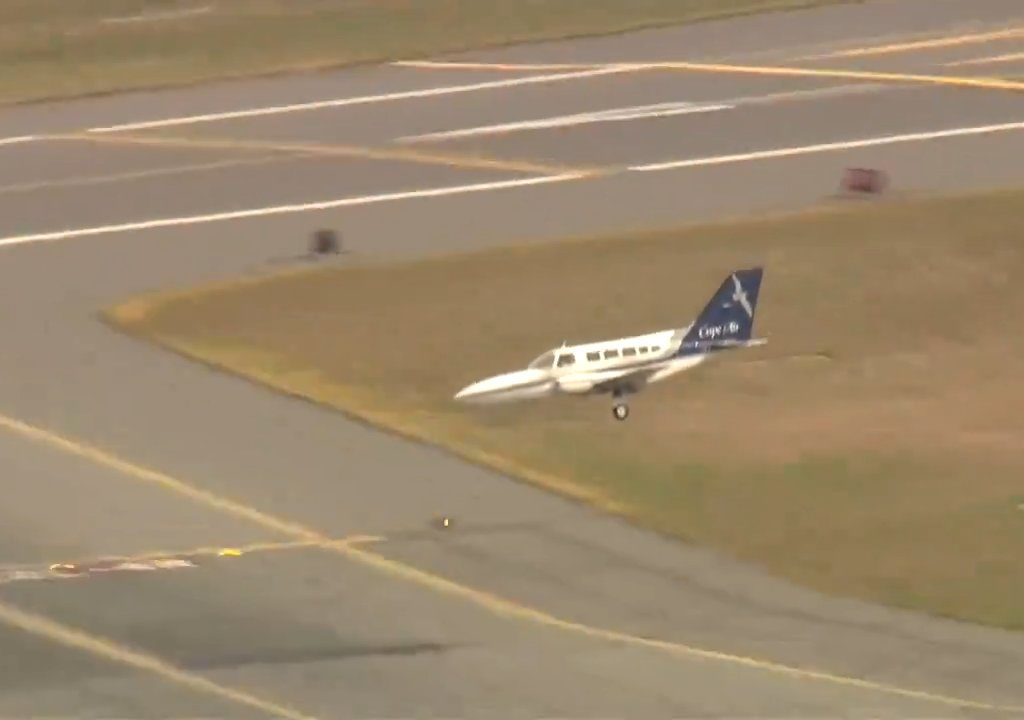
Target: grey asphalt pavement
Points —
{"points": [[530, 605]]}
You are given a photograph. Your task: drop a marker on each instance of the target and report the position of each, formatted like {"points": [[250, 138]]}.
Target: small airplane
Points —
{"points": [[626, 365]]}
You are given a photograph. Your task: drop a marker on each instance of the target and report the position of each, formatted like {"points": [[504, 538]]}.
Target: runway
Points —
{"points": [[346, 599]]}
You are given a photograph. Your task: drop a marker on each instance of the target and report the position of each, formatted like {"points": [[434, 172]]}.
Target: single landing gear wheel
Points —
{"points": [[621, 412]]}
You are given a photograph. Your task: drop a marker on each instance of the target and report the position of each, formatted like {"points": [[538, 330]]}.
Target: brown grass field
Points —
{"points": [[874, 448], [59, 48]]}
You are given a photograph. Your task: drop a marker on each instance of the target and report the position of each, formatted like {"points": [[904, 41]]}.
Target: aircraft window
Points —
{"points": [[629, 351], [593, 356], [610, 354], [567, 359], [544, 361]]}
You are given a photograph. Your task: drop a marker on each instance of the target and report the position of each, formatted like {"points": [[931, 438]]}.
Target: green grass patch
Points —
{"points": [[874, 448], [58, 48]]}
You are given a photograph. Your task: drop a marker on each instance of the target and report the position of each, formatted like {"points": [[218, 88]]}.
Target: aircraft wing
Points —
{"points": [[627, 380]]}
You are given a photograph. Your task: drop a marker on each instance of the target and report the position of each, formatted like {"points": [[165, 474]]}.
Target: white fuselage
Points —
{"points": [[581, 369]]}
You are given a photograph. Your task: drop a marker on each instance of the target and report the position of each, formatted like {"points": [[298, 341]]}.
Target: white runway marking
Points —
{"points": [[441, 65], [827, 147], [1007, 57], [641, 112], [614, 115], [485, 187], [19, 139], [158, 16], [283, 209], [362, 100]]}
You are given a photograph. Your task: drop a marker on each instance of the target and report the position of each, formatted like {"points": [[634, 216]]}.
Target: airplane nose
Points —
{"points": [[498, 387], [483, 390], [467, 392]]}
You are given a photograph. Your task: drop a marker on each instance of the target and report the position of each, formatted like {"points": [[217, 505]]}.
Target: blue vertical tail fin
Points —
{"points": [[728, 318]]}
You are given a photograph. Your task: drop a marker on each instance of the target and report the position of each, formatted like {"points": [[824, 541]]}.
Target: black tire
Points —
{"points": [[620, 412]]}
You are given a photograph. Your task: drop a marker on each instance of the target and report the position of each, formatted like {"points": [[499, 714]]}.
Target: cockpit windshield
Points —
{"points": [[544, 361]]}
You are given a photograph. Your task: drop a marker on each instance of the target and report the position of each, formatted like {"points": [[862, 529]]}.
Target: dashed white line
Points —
{"points": [[18, 139], [362, 100], [641, 112], [284, 209], [613, 115], [442, 65]]}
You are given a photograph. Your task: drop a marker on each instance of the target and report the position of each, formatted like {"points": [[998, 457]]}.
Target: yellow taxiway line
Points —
{"points": [[457, 160], [499, 67], [929, 44], [992, 59], [107, 649], [498, 605], [986, 83]]}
